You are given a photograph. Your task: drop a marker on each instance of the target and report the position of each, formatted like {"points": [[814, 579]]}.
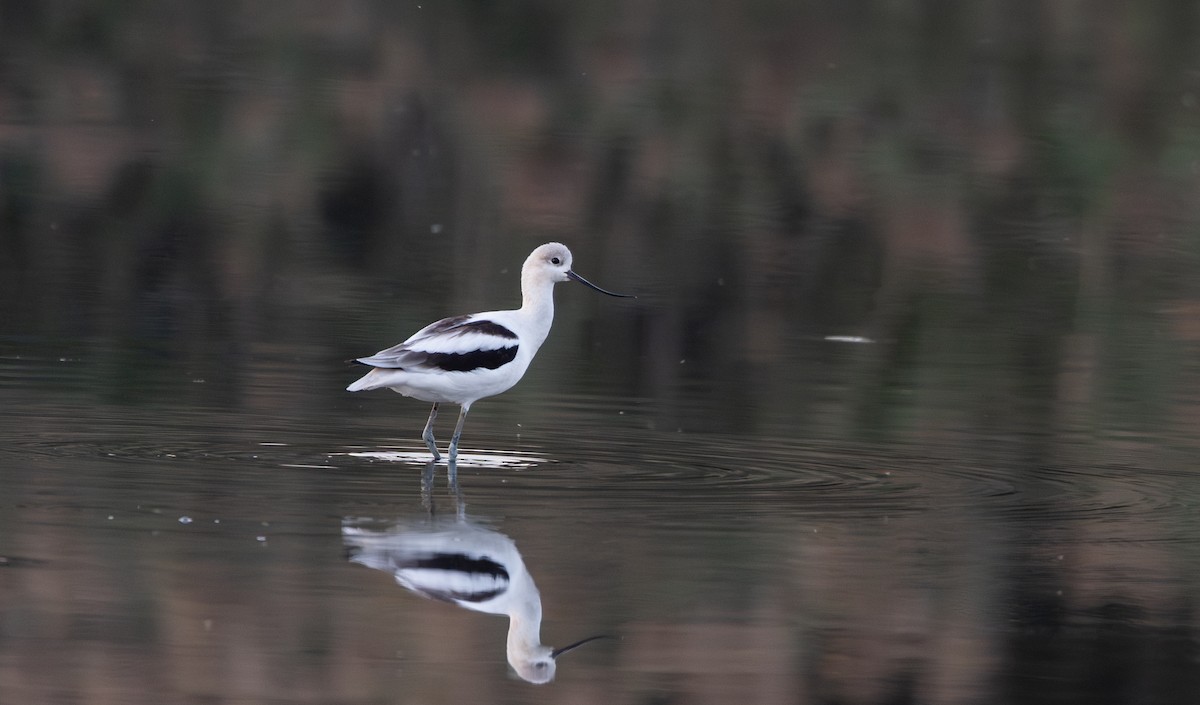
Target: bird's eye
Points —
{"points": [[556, 260]]}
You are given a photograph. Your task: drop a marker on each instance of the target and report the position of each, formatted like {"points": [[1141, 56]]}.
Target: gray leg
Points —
{"points": [[428, 434], [462, 416]]}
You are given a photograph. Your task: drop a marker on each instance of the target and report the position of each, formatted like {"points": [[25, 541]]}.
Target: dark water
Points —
{"points": [[181, 550], [906, 410]]}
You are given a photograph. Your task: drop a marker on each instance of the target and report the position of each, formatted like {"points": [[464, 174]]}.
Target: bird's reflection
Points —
{"points": [[453, 559]]}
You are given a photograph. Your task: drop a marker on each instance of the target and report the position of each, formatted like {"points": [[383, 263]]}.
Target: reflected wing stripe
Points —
{"points": [[463, 564], [453, 596], [455, 577]]}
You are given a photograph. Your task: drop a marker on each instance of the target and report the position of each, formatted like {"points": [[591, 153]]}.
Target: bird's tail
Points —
{"points": [[367, 381]]}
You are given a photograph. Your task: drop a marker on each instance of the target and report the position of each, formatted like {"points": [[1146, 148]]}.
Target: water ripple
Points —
{"points": [[634, 468]]}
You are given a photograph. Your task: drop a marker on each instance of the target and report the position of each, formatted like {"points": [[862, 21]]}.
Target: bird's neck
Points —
{"points": [[537, 306], [525, 626]]}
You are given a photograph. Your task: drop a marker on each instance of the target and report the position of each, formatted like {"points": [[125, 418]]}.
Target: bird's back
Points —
{"points": [[494, 347]]}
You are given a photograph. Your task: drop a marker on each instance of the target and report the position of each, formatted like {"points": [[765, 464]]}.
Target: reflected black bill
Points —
{"points": [[587, 283], [559, 652]]}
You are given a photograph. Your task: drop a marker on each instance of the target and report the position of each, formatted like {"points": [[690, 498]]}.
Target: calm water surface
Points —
{"points": [[175, 549]]}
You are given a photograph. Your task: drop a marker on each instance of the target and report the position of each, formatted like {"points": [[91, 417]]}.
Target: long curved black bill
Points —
{"points": [[588, 284], [559, 652]]}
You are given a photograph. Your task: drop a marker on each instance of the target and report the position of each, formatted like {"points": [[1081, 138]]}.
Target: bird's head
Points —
{"points": [[552, 262]]}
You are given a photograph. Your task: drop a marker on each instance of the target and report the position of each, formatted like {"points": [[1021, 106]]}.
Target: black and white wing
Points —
{"points": [[458, 344]]}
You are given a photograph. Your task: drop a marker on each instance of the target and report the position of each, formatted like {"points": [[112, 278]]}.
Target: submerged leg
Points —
{"points": [[462, 416], [460, 507], [427, 478], [428, 434]]}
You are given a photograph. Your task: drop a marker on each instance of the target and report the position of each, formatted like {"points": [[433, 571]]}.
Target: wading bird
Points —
{"points": [[463, 359]]}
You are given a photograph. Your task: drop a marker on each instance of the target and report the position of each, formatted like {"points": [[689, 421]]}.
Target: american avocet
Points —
{"points": [[467, 565], [463, 359]]}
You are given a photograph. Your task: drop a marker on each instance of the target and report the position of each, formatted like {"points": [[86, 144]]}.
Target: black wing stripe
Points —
{"points": [[488, 328], [461, 325], [474, 360]]}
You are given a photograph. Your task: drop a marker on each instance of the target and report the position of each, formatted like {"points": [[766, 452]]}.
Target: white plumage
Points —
{"points": [[466, 358]]}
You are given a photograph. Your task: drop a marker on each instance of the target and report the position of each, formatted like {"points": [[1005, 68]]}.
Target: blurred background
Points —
{"points": [[1010, 184], [960, 231]]}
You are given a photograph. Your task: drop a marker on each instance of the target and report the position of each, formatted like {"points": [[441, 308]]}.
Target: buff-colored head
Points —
{"points": [[552, 262]]}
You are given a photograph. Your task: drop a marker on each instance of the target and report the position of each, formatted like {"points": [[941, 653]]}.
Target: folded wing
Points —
{"points": [[458, 344]]}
